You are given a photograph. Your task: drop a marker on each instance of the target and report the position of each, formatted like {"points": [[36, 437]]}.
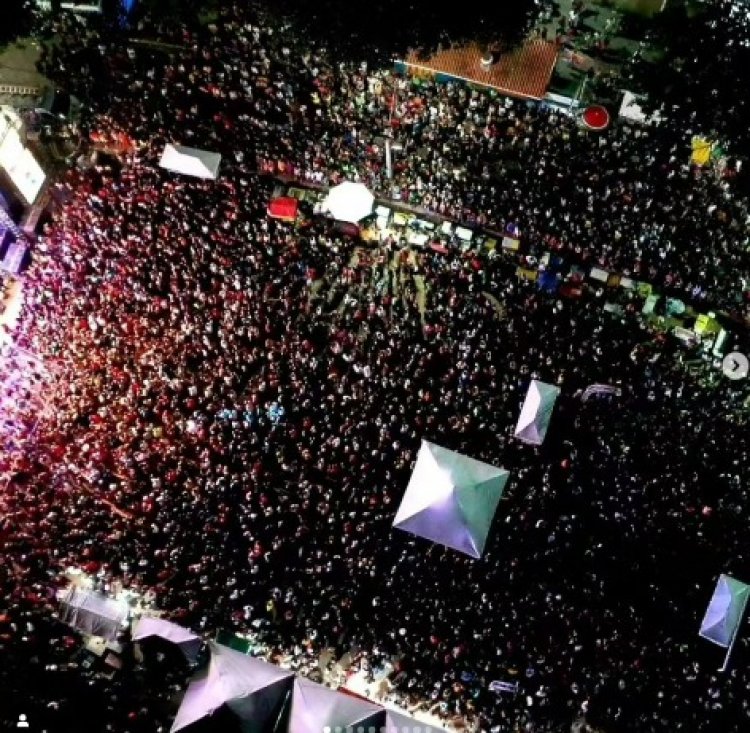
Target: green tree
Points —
{"points": [[385, 29], [185, 10], [701, 81], [17, 19]]}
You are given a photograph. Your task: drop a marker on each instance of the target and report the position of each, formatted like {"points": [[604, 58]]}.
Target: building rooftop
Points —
{"points": [[524, 72]]}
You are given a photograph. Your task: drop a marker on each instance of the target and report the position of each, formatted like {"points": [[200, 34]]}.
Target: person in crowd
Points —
{"points": [[234, 405]]}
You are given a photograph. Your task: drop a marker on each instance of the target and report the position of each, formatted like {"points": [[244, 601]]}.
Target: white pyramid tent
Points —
{"points": [[249, 687], [400, 723], [536, 412], [188, 641], [451, 499], [316, 708], [724, 612], [190, 161]]}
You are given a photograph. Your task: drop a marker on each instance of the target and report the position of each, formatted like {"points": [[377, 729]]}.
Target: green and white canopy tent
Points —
{"points": [[536, 412], [451, 499], [724, 613]]}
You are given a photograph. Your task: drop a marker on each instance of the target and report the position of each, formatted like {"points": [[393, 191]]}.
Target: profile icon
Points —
{"points": [[22, 721]]}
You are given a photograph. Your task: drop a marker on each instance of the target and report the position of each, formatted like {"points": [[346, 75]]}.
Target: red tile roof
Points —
{"points": [[524, 72]]}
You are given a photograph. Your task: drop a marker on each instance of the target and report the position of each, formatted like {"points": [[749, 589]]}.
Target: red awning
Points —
{"points": [[284, 208]]}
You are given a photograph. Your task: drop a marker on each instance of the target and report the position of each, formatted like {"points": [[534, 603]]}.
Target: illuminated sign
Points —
{"points": [[17, 160]]}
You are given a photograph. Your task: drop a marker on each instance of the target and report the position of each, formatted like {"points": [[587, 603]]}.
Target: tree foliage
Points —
{"points": [[17, 20], [385, 29], [701, 82], [174, 10]]}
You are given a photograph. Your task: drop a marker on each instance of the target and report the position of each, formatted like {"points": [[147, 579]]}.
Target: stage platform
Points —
{"points": [[524, 73]]}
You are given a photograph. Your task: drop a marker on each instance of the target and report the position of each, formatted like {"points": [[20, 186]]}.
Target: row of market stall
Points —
{"points": [[268, 698], [551, 272], [264, 697]]}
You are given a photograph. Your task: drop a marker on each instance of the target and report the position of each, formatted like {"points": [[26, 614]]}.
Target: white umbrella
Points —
{"points": [[349, 202]]}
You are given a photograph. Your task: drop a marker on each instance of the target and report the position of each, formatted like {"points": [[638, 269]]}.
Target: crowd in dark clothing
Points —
{"points": [[239, 402]]}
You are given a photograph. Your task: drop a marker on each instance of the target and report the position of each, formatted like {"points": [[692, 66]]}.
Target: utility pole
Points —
{"points": [[579, 92], [389, 135], [388, 156]]}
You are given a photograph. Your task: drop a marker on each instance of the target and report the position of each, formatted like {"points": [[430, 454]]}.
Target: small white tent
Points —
{"points": [[93, 613], [190, 161], [536, 412], [349, 202], [316, 708], [252, 689], [188, 642], [451, 499], [631, 110]]}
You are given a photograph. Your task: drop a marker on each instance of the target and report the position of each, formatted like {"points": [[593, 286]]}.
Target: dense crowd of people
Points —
{"points": [[627, 199], [238, 402]]}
